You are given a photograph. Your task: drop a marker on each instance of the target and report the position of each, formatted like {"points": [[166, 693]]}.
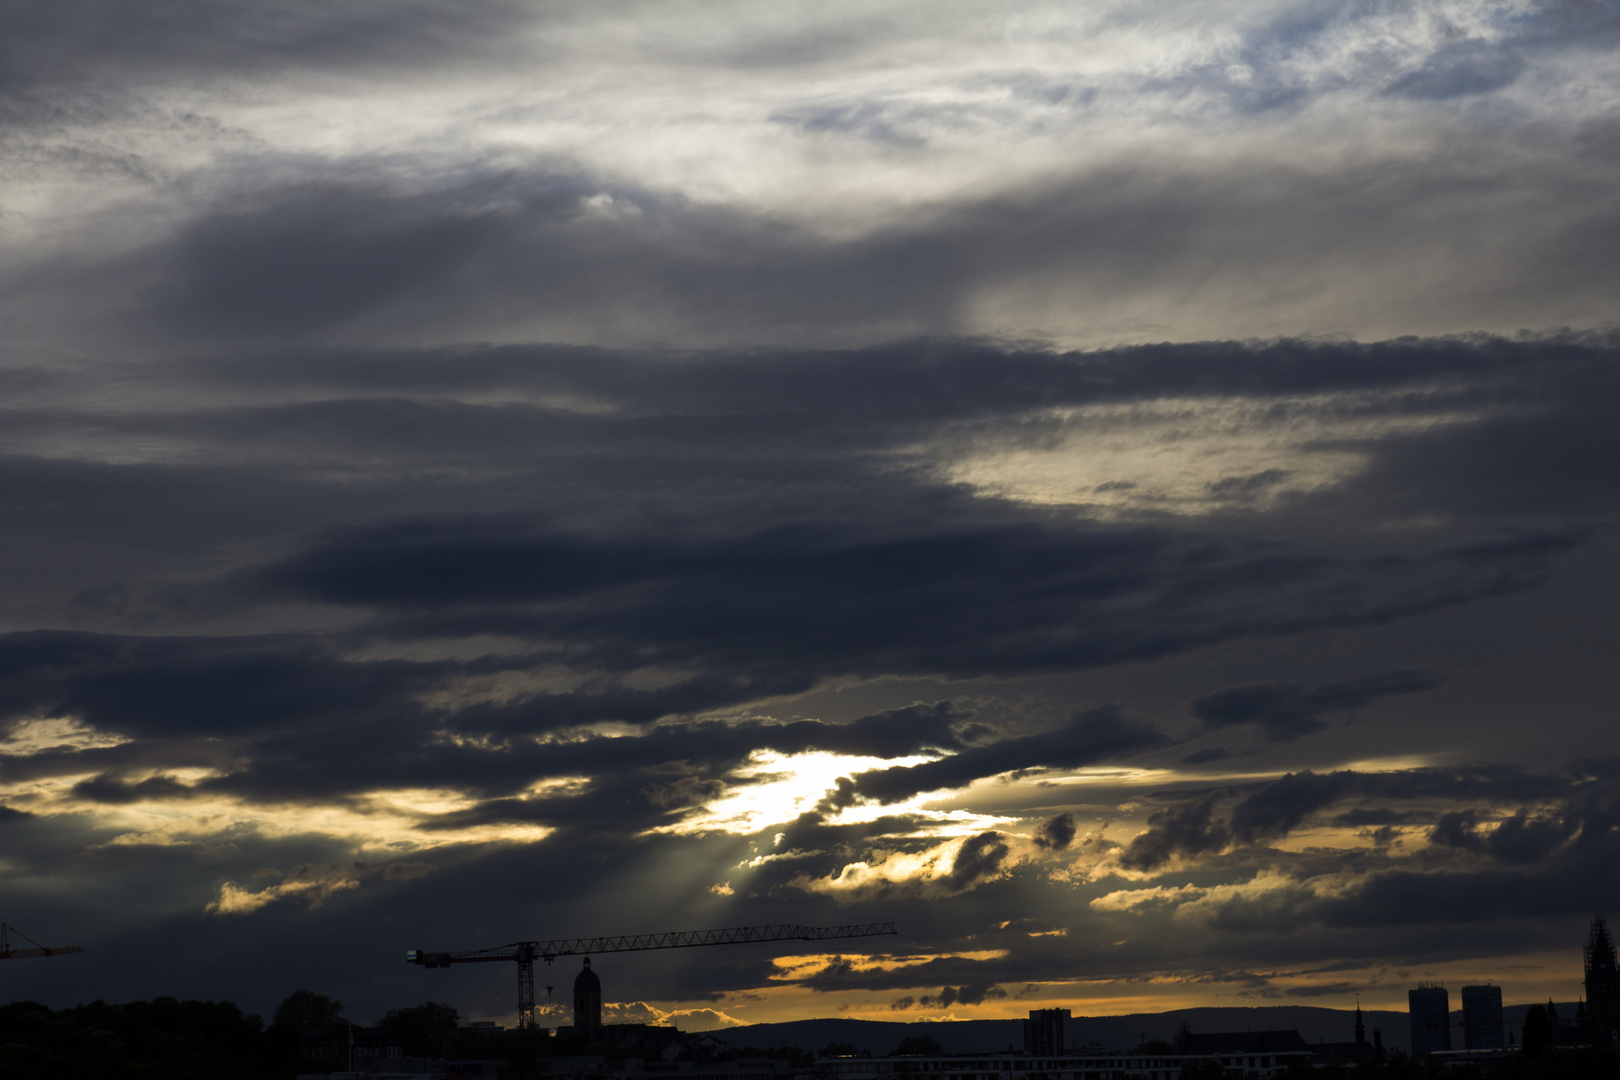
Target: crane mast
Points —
{"points": [[9, 952], [524, 953]]}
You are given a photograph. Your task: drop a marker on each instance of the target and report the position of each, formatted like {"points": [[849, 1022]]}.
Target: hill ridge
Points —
{"points": [[1119, 1032]]}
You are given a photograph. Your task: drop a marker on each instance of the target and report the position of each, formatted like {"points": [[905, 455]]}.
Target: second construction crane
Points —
{"points": [[525, 953], [12, 952]]}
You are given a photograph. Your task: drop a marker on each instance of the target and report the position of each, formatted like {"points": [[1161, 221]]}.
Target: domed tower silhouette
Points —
{"points": [[587, 1004]]}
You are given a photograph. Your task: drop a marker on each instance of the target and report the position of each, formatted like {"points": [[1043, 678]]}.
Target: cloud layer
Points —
{"points": [[1125, 493]]}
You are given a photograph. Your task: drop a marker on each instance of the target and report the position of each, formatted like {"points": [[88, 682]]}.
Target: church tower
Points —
{"points": [[587, 1004], [1602, 982]]}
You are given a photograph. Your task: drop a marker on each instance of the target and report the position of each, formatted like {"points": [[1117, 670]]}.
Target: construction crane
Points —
{"points": [[7, 952], [525, 953]]}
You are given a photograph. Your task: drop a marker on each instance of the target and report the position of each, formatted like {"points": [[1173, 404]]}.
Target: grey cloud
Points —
{"points": [[271, 700], [980, 857], [1247, 487], [971, 994], [1459, 69], [1285, 712], [401, 409], [1337, 989], [1521, 839], [1264, 812], [1056, 832], [1406, 897], [319, 258], [892, 386], [521, 256], [106, 788], [1093, 735], [165, 687], [158, 43], [910, 576], [986, 598], [1368, 817], [1279, 807], [1456, 829], [1187, 829]]}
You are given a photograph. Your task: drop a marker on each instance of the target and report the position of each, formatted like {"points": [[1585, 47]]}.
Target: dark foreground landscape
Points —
{"points": [[169, 1039]]}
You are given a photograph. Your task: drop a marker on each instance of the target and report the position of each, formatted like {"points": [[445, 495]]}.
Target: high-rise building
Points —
{"points": [[1429, 1011], [1482, 1017], [1046, 1031], [1602, 983]]}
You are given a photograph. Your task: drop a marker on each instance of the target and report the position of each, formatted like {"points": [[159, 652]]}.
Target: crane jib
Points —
{"points": [[742, 935], [11, 952], [524, 953]]}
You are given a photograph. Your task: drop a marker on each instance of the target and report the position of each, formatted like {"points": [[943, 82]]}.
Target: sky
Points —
{"points": [[1124, 490]]}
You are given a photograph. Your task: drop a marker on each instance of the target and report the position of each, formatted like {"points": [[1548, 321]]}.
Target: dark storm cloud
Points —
{"points": [[980, 857], [1363, 817], [1090, 737], [894, 386], [1110, 232], [1056, 832], [1523, 838], [1554, 861], [278, 721], [320, 258], [793, 603], [107, 788], [50, 45], [812, 414], [274, 700], [173, 687], [1279, 807], [1285, 712], [967, 995], [1270, 811], [977, 977], [898, 573], [1186, 829], [484, 254]]}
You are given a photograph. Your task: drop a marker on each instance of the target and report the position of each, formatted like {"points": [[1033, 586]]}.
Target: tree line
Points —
{"points": [[169, 1039]]}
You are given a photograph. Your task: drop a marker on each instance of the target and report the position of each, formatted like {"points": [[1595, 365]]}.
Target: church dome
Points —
{"points": [[587, 980]]}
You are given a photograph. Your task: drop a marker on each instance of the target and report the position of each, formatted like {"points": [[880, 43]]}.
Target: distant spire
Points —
{"points": [[1599, 951], [1361, 1031]]}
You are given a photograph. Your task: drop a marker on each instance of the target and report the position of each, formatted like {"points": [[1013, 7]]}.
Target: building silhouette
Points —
{"points": [[1429, 1011], [1358, 1050], [1247, 1042], [587, 1004], [1046, 1031], [1482, 1017], [1602, 983]]}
